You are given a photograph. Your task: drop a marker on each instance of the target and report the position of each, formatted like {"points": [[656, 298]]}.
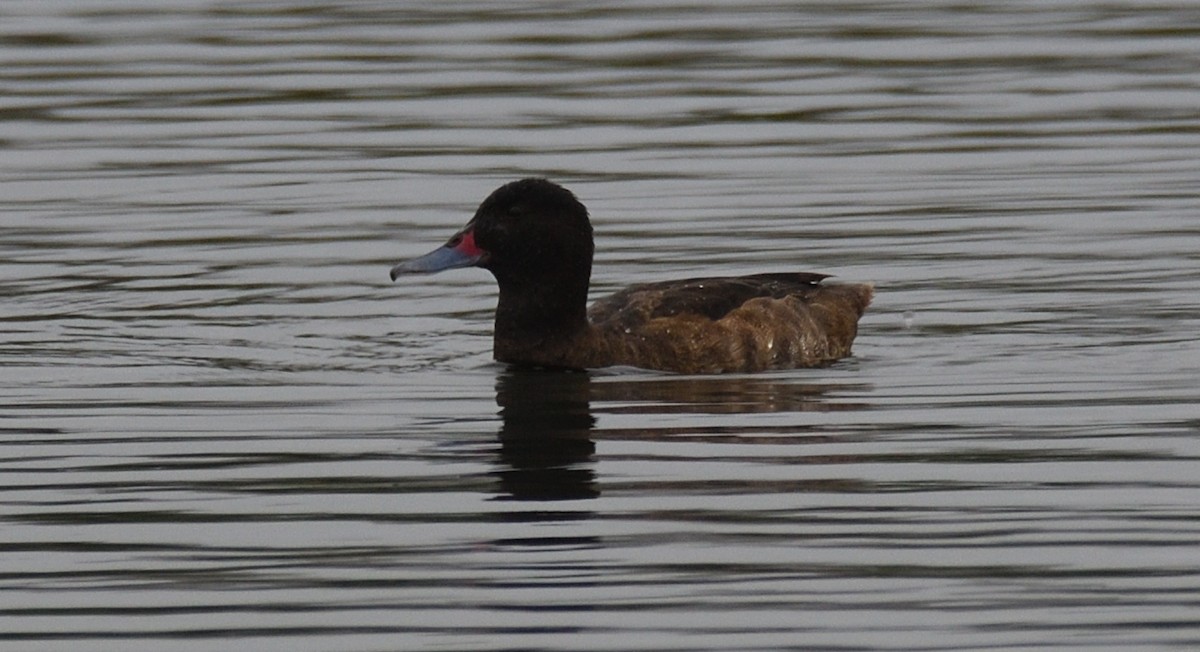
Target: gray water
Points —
{"points": [[222, 428]]}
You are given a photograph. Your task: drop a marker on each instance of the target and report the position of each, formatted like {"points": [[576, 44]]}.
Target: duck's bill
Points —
{"points": [[459, 252]]}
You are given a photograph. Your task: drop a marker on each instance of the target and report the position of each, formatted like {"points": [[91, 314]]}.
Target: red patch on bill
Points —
{"points": [[466, 245]]}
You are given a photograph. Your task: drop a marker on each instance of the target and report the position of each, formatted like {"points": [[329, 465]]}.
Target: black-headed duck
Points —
{"points": [[535, 238]]}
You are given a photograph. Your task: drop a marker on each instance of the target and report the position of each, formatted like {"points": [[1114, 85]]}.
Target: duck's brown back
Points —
{"points": [[712, 325]]}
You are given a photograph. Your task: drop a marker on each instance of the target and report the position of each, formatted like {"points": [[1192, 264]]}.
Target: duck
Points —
{"points": [[535, 237]]}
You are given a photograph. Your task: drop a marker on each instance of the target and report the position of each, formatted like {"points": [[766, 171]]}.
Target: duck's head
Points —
{"points": [[527, 231]]}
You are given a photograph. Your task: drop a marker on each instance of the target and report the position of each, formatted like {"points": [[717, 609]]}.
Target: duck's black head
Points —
{"points": [[535, 238], [533, 230], [525, 230]]}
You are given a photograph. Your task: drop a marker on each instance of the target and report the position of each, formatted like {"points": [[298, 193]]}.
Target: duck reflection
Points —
{"points": [[721, 395], [546, 447], [547, 437]]}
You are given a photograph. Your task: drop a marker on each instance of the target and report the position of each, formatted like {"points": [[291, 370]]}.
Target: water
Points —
{"points": [[223, 428]]}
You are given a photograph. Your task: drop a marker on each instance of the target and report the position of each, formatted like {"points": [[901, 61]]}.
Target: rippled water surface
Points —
{"points": [[221, 427]]}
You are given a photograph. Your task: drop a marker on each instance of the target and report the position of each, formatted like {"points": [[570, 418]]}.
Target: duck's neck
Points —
{"points": [[543, 324]]}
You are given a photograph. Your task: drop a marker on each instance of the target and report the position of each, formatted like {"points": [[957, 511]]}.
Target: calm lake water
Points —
{"points": [[223, 428]]}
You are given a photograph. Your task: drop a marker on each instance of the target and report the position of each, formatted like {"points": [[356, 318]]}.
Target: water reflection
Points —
{"points": [[723, 395], [545, 439], [547, 436]]}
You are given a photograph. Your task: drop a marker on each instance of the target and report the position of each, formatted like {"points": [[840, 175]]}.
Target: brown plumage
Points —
{"points": [[535, 238]]}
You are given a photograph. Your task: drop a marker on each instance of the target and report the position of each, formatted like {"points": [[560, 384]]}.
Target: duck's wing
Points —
{"points": [[712, 298], [750, 323]]}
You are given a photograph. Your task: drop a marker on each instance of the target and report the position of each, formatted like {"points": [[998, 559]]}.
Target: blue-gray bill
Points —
{"points": [[459, 252], [434, 261]]}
